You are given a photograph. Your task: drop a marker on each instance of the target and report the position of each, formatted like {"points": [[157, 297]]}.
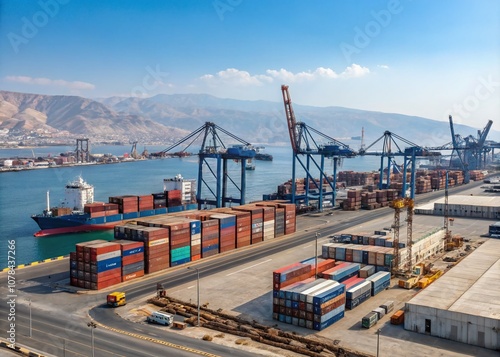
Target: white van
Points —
{"points": [[162, 318]]}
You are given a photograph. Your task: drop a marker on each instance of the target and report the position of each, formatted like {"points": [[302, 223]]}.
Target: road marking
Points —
{"points": [[307, 246], [190, 287], [236, 272], [154, 340]]}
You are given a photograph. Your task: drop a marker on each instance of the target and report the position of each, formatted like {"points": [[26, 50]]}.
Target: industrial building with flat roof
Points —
{"points": [[464, 304], [487, 207]]}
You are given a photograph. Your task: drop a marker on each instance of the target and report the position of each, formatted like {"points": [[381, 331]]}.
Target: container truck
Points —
{"points": [[116, 299]]}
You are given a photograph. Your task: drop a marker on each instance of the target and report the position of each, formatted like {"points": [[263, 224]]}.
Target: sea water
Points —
{"points": [[23, 193]]}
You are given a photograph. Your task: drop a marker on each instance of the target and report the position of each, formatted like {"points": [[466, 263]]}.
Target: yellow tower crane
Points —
{"points": [[398, 205]]}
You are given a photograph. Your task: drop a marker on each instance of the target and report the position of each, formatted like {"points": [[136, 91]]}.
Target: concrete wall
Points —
{"points": [[424, 248], [456, 326]]}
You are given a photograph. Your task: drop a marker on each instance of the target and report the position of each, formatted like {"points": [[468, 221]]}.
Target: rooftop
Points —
{"points": [[471, 287]]}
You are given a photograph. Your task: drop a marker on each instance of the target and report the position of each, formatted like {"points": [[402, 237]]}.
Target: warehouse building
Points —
{"points": [[487, 207], [463, 305]]}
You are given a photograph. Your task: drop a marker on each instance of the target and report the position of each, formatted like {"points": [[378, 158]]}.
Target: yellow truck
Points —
{"points": [[116, 299]]}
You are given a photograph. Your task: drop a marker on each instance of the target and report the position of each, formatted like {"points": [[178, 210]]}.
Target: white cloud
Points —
{"points": [[50, 82], [383, 66], [238, 77], [235, 76], [355, 71]]}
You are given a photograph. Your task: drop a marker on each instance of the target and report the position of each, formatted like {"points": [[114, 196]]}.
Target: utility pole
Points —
{"points": [[378, 340], [197, 291], [92, 326]]}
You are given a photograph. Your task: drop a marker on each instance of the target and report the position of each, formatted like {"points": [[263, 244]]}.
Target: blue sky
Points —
{"points": [[417, 57]]}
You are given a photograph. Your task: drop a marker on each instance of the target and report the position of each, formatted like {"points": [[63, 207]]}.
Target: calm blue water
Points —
{"points": [[24, 193]]}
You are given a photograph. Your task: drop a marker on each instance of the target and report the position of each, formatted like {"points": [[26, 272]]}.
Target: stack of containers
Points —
{"points": [[78, 265], [159, 200], [312, 304], [358, 293], [209, 238], [195, 239], [156, 244], [268, 222], [379, 282], [290, 274], [290, 219], [291, 306], [145, 205], [96, 211], [280, 221], [342, 272], [243, 226], [132, 259], [105, 264], [126, 204], [174, 198], [353, 201], [257, 218], [180, 240], [382, 198], [156, 248], [366, 271], [328, 305], [227, 231]]}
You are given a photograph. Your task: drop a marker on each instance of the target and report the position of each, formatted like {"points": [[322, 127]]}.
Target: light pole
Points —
{"points": [[197, 291], [92, 326], [316, 256], [30, 318], [378, 340]]}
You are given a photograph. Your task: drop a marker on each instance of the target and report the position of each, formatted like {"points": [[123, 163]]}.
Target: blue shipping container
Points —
{"points": [[161, 210], [138, 250], [146, 213], [131, 215], [114, 218], [180, 261], [108, 264], [321, 326]]}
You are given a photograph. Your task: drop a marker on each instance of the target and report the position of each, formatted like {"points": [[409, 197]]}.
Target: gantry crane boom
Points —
{"points": [[290, 118]]}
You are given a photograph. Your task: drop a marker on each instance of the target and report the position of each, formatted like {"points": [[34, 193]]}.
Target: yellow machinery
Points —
{"points": [[116, 299], [429, 279], [398, 205]]}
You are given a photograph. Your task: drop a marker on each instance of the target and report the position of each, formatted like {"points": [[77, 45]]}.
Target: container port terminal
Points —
{"points": [[404, 264]]}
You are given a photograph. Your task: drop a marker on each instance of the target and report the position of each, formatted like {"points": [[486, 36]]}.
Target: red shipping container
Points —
{"points": [[104, 284], [133, 258], [132, 276]]}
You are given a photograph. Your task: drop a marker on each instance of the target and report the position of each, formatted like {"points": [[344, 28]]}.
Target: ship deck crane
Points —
{"points": [[398, 205], [309, 142]]}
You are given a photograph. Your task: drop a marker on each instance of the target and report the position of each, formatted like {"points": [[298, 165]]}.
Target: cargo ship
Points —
{"points": [[80, 213]]}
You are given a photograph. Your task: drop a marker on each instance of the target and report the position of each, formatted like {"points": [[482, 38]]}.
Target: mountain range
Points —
{"points": [[172, 117]]}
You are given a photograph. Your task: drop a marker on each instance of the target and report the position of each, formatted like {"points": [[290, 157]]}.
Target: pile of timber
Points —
{"points": [[270, 335]]}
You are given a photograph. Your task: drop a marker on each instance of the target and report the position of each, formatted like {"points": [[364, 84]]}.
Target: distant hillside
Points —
{"points": [[264, 121], [75, 115], [174, 116]]}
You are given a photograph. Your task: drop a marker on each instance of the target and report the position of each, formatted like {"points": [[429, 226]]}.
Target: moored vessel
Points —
{"points": [[80, 213]]}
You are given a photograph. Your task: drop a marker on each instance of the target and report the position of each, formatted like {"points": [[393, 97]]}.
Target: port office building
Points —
{"points": [[464, 304]]}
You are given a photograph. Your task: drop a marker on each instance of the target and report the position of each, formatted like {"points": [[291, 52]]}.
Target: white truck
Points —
{"points": [[162, 318]]}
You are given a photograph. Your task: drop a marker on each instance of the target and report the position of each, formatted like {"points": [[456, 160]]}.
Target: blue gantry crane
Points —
{"points": [[392, 149], [311, 143], [470, 150], [214, 156]]}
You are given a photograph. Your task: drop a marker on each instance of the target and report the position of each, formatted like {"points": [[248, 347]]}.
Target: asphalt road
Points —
{"points": [[59, 319]]}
